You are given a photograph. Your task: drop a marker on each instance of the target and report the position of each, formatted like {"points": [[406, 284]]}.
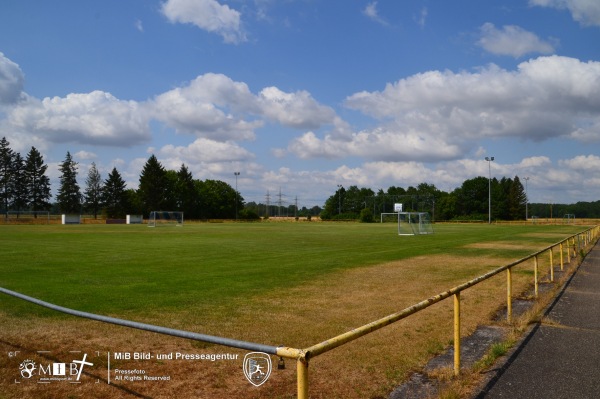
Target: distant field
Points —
{"points": [[273, 283], [110, 269]]}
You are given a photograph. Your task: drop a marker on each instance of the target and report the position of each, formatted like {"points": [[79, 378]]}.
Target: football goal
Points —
{"points": [[165, 218], [569, 218], [414, 223]]}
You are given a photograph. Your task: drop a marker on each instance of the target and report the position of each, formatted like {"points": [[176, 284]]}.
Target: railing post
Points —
{"points": [[535, 274], [509, 295], [457, 333], [562, 265], [551, 265], [302, 375]]}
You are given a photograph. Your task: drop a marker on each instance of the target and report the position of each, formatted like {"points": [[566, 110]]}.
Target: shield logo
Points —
{"points": [[257, 367]]}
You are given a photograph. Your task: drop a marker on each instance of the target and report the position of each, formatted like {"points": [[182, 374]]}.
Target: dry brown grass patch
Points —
{"points": [[299, 317]]}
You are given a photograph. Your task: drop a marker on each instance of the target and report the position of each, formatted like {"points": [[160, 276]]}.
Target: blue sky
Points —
{"points": [[302, 95]]}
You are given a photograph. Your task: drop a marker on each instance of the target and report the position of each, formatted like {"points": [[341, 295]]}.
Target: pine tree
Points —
{"points": [[69, 195], [517, 199], [153, 185], [186, 195], [114, 196], [93, 191], [36, 182], [19, 184], [7, 157]]}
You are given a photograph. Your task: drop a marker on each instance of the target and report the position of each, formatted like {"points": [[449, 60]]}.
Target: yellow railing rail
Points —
{"points": [[303, 356]]}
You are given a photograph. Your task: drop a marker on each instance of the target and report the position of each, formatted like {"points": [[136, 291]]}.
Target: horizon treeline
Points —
{"points": [[24, 186]]}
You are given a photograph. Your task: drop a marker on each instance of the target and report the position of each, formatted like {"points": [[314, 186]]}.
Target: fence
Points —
{"points": [[569, 247]]}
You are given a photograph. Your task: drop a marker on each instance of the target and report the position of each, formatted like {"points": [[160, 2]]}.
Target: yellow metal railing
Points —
{"points": [[303, 356]]}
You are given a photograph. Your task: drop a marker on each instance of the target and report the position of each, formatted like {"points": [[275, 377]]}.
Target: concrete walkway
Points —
{"points": [[561, 357]]}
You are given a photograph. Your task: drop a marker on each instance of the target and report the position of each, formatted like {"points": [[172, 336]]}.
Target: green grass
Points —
{"points": [[117, 269]]}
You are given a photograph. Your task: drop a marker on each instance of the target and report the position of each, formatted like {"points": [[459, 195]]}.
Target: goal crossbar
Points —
{"points": [[165, 218]]}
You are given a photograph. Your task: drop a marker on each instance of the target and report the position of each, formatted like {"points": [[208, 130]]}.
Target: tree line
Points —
{"points": [[24, 186], [470, 201]]}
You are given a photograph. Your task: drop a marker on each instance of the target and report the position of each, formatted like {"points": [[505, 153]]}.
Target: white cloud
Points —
{"points": [[88, 118], [440, 115], [371, 12], [422, 17], [208, 15], [206, 151], [216, 107], [297, 110], [512, 40], [139, 25], [583, 163], [586, 12], [202, 108], [11, 81], [85, 155]]}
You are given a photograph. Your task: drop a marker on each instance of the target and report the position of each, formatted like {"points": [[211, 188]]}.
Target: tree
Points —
{"points": [[69, 195], [114, 195], [7, 157], [218, 199], [19, 184], [517, 199], [153, 185], [93, 191], [36, 181], [472, 198], [186, 194]]}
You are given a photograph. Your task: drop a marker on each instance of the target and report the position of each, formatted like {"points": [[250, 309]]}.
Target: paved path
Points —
{"points": [[560, 359]]}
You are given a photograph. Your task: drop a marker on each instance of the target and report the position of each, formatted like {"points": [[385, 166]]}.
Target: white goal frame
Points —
{"points": [[414, 223], [165, 218]]}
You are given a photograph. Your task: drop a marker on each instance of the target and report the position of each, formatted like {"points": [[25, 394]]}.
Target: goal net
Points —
{"points": [[569, 218], [165, 218], [389, 217], [414, 223]]}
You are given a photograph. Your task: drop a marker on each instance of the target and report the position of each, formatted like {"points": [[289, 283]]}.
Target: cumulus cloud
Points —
{"points": [[216, 107], [512, 40], [208, 15], [297, 110], [203, 108], [206, 151], [11, 81], [586, 12], [586, 163], [441, 114], [88, 118]]}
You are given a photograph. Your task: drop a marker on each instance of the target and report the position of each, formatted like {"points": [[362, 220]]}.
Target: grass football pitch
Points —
{"points": [[294, 284]]}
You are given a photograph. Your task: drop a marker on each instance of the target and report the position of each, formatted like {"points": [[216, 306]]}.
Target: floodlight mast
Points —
{"points": [[526, 198], [236, 195], [489, 160]]}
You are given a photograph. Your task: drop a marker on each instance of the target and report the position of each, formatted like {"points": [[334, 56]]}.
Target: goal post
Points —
{"points": [[414, 223], [165, 218]]}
